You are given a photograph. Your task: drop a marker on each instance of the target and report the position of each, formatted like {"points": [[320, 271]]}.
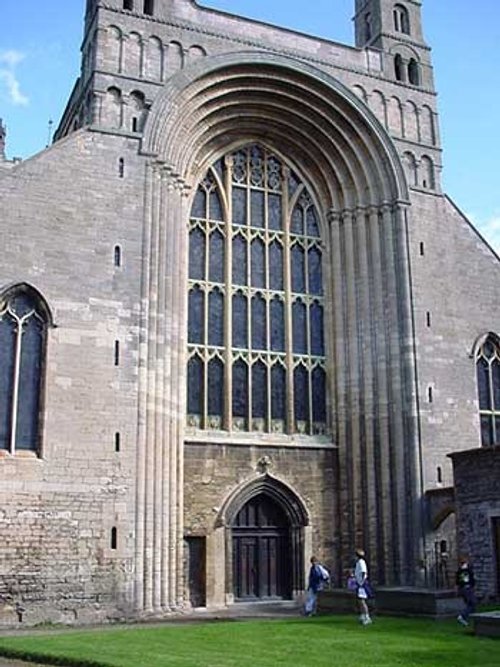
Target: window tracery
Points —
{"points": [[23, 327], [488, 386], [255, 328]]}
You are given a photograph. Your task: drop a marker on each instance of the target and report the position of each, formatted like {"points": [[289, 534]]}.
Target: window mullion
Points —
{"points": [[287, 283], [228, 301], [492, 399], [15, 388]]}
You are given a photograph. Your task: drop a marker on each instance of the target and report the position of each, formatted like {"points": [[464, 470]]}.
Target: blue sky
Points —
{"points": [[39, 61]]}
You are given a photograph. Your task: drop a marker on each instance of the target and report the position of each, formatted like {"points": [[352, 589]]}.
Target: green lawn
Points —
{"points": [[333, 641]]}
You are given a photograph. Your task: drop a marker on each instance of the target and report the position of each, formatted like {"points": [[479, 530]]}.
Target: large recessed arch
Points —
{"points": [[307, 114]]}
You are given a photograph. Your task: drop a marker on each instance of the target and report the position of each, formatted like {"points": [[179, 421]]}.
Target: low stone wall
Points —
{"points": [[487, 623], [477, 494], [401, 601]]}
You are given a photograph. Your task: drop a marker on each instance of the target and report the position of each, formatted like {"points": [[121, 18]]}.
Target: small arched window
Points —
{"points": [[398, 67], [368, 27], [128, 5], [149, 7], [413, 72], [24, 319], [428, 174], [401, 19], [488, 388]]}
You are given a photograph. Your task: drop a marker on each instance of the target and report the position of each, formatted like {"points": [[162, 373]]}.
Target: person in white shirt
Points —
{"points": [[361, 576]]}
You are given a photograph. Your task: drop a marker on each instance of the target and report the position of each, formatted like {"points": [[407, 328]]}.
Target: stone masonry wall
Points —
{"points": [[62, 213], [215, 470], [477, 495]]}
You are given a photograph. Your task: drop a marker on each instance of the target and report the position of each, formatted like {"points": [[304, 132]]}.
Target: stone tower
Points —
{"points": [[396, 29], [3, 135]]}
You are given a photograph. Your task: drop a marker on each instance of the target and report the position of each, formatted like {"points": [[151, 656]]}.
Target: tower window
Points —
{"points": [[24, 319], [114, 538], [488, 386], [401, 19], [149, 7], [118, 256], [398, 67], [261, 271], [413, 72], [128, 5], [121, 167], [368, 27]]}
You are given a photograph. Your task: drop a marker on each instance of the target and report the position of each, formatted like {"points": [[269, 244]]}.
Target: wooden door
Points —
{"points": [[197, 571], [261, 557]]}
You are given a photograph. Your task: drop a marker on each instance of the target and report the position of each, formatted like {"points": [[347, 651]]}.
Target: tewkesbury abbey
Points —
{"points": [[241, 324]]}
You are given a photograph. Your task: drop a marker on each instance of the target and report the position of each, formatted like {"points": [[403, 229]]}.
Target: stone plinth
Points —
{"points": [[487, 623], [401, 601]]}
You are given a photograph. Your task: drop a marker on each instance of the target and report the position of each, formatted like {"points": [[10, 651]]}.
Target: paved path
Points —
{"points": [[7, 662]]}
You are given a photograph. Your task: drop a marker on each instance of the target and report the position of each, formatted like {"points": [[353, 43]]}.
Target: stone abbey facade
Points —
{"points": [[240, 322]]}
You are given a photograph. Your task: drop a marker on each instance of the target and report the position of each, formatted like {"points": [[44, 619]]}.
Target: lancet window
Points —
{"points": [[488, 384], [256, 306], [23, 327]]}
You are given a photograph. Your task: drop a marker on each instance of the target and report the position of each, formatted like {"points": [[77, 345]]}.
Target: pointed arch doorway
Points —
{"points": [[267, 534], [262, 568]]}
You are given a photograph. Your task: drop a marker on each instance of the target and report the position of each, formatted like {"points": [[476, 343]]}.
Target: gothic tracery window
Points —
{"points": [[488, 385], [255, 329], [23, 326]]}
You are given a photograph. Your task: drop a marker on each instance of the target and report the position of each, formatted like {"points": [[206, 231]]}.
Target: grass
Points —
{"points": [[314, 642]]}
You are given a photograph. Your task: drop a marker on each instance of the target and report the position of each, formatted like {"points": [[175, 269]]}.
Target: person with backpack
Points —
{"points": [[318, 577]]}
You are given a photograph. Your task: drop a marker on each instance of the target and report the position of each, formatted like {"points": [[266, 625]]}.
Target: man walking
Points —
{"points": [[465, 586]]}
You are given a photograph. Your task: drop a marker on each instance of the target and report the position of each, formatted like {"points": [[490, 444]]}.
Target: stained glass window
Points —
{"points": [[259, 322], [216, 267], [488, 385], [23, 325], [195, 385], [261, 272], [259, 390], [216, 318], [215, 388]]}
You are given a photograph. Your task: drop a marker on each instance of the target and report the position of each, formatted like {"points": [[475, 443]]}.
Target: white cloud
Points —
{"points": [[9, 84]]}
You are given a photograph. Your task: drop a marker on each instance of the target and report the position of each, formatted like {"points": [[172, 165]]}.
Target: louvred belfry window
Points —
{"points": [[256, 306], [23, 327]]}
